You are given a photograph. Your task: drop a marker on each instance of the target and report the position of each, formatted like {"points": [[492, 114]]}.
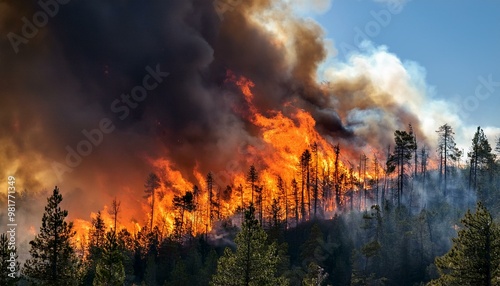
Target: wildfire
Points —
{"points": [[280, 158], [298, 170]]}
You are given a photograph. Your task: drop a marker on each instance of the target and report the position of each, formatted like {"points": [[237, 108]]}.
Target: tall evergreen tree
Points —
{"points": [[115, 211], [53, 260], [403, 152], [152, 183], [295, 191], [315, 180], [481, 159], [211, 201], [254, 263], [97, 233], [181, 205], [280, 184], [336, 178], [448, 150], [474, 258], [110, 270], [305, 166], [252, 179]]}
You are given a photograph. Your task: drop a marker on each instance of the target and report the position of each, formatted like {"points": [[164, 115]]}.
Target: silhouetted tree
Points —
{"points": [[403, 152], [447, 151], [254, 263], [252, 179], [336, 177], [480, 159], [305, 164], [53, 260], [115, 211], [424, 156], [182, 204], [110, 270], [314, 149], [96, 240], [295, 191], [152, 183], [376, 177], [280, 184], [210, 195]]}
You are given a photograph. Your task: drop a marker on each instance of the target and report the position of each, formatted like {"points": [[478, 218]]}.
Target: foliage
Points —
{"points": [[253, 263], [474, 258], [53, 260], [110, 270]]}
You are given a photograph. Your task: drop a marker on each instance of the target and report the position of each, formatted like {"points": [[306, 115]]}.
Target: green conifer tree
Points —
{"points": [[254, 263], [474, 258], [53, 259], [97, 235], [109, 269]]}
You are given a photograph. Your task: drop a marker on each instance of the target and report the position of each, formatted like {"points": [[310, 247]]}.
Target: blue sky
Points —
{"points": [[455, 41]]}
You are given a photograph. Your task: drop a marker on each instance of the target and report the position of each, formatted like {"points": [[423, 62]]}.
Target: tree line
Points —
{"points": [[383, 241]]}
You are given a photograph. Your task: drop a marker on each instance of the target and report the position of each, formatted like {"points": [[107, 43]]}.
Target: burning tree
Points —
{"points": [[115, 211], [305, 165], [252, 179], [280, 184], [181, 205], [152, 183], [212, 204]]}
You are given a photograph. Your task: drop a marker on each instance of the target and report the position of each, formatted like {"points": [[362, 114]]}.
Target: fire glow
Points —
{"points": [[246, 91]]}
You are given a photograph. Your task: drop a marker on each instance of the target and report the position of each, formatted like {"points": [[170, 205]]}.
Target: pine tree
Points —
{"points": [[210, 184], [481, 159], [403, 152], [315, 180], [97, 234], [283, 193], [305, 166], [254, 263], [6, 278], [447, 150], [295, 191], [109, 269], [181, 205], [338, 199], [152, 183], [53, 260], [115, 210], [474, 258], [252, 179], [315, 275]]}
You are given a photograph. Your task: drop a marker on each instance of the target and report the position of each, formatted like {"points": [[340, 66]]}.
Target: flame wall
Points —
{"points": [[243, 90]]}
